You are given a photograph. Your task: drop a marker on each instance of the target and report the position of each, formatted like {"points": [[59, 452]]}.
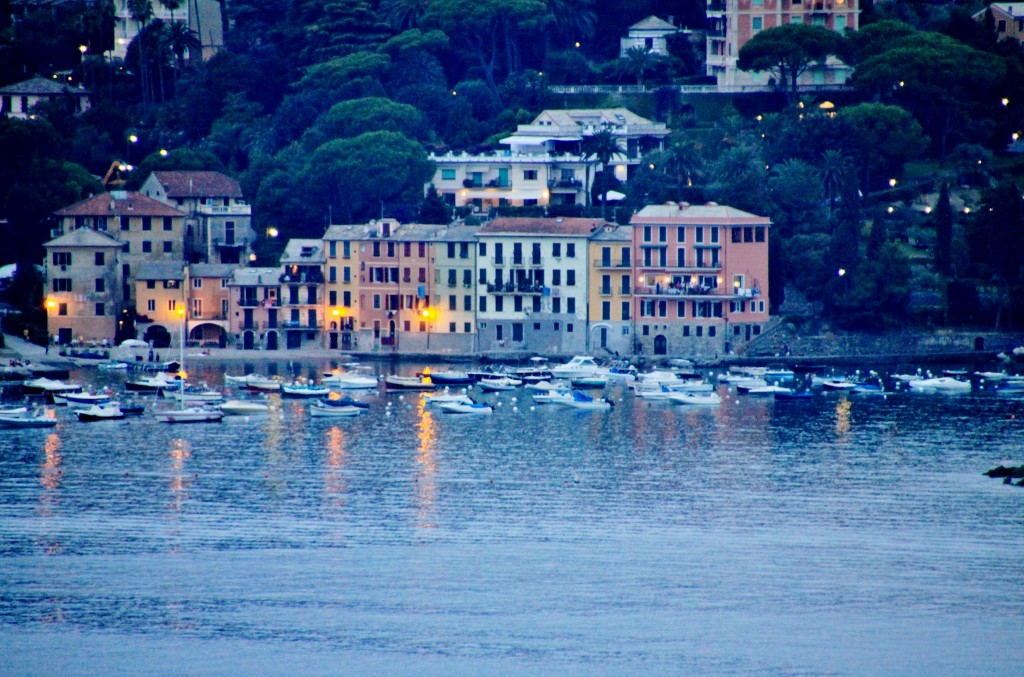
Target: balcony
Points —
{"points": [[608, 263], [676, 292], [299, 325], [249, 303], [716, 5], [513, 288], [698, 267], [566, 184], [307, 277]]}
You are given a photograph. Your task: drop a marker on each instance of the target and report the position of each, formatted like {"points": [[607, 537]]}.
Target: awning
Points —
{"points": [[615, 195]]}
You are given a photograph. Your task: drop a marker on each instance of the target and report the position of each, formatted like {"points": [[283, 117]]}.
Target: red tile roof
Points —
{"points": [[128, 204], [541, 226], [186, 184]]}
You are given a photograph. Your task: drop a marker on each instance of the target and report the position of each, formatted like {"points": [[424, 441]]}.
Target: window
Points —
{"points": [[147, 246], [172, 305], [197, 283], [606, 310], [147, 223], [698, 234], [467, 327], [452, 277], [681, 234], [151, 305], [99, 259], [101, 285], [483, 304], [714, 234], [517, 304], [680, 309], [62, 309], [346, 299], [647, 233], [759, 234], [756, 23], [737, 234], [681, 257], [168, 223], [625, 285], [529, 175], [499, 304], [556, 277], [570, 250], [150, 284], [467, 278], [467, 302], [447, 174], [453, 302], [62, 284], [62, 258], [570, 278], [556, 305], [168, 247], [451, 327], [662, 233], [483, 249], [376, 300], [556, 249], [625, 311]]}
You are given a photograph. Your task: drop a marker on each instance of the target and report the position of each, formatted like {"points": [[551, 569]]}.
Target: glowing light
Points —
{"points": [[841, 272], [1005, 101], [163, 152], [892, 183], [272, 232]]}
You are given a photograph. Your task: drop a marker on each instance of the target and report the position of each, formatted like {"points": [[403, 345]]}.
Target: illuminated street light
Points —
{"points": [[892, 183]]}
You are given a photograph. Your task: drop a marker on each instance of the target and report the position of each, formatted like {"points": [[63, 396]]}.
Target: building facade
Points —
{"points": [[453, 326], [203, 17], [343, 246], [255, 311], [218, 228], [610, 307], [650, 34], [17, 100], [544, 162], [701, 278], [162, 300], [532, 284], [83, 286], [302, 293], [1007, 20], [209, 304], [732, 23]]}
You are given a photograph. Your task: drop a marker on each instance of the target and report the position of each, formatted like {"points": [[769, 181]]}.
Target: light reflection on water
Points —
{"points": [[831, 536]]}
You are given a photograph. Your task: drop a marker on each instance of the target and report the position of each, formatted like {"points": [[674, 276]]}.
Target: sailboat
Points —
{"points": [[194, 413]]}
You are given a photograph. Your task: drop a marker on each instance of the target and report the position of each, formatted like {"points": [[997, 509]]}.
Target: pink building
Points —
{"points": [[701, 276]]}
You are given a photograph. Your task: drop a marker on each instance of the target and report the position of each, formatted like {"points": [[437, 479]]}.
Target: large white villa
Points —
{"points": [[543, 162]]}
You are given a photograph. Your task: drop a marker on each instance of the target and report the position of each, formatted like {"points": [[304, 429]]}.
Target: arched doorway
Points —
{"points": [[272, 340], [157, 336], [660, 345], [248, 340]]}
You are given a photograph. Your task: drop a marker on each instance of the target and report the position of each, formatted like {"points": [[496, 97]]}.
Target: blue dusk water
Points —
{"points": [[836, 536]]}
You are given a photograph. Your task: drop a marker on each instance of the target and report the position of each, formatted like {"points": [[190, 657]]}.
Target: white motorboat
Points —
{"points": [[578, 366], [768, 391], [589, 381], [304, 390], [552, 397], [81, 399], [498, 384], [189, 415], [748, 384], [696, 399], [739, 374], [153, 384], [654, 394], [838, 383], [49, 387], [28, 419], [193, 394], [940, 384], [447, 398], [103, 411], [466, 408], [13, 409], [545, 386], [581, 400], [349, 381], [393, 382], [321, 409], [244, 407], [448, 377]]}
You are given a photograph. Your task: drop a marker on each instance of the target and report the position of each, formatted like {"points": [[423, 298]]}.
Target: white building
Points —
{"points": [[650, 34], [543, 163], [532, 284], [202, 16]]}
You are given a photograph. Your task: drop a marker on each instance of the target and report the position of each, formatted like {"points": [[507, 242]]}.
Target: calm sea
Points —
{"points": [[835, 536]]}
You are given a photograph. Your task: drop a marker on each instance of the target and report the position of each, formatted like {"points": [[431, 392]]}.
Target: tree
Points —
{"points": [[433, 209], [996, 241], [404, 14], [942, 220], [572, 21], [789, 50], [602, 147], [884, 138], [141, 11], [336, 28], [836, 176], [359, 116], [636, 62]]}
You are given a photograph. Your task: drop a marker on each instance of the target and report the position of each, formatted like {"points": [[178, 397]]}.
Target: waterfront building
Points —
{"points": [[162, 298], [218, 228], [83, 286], [302, 292], [18, 100], [610, 305], [147, 229], [255, 312], [701, 278], [532, 284], [544, 161], [732, 23], [209, 304], [453, 323], [203, 18], [343, 246]]}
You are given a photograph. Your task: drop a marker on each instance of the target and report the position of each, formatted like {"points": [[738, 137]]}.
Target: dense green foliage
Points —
{"points": [[327, 111]]}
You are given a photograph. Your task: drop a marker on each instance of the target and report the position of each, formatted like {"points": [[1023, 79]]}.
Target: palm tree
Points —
{"points": [[404, 14], [171, 5], [573, 20], [179, 38], [601, 146], [141, 11], [836, 170], [636, 62]]}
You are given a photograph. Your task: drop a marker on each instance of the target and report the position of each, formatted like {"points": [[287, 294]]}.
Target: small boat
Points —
{"points": [[940, 384], [748, 384], [47, 386], [243, 407], [778, 375], [545, 386], [654, 394], [991, 375], [499, 384], [408, 383], [323, 410], [113, 366], [552, 397], [304, 390], [794, 395], [83, 399], [580, 365], [349, 381], [233, 380], [696, 399], [103, 411], [189, 415], [837, 384], [28, 419], [581, 400], [769, 390], [152, 384], [13, 409], [448, 377], [132, 409], [264, 384], [446, 398], [466, 408], [589, 382], [622, 374], [193, 394]]}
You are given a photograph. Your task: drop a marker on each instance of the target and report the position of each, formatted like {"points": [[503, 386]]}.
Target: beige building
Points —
{"points": [[255, 313], [83, 290], [1007, 19], [162, 301], [17, 100], [209, 304], [342, 245], [610, 305], [453, 325]]}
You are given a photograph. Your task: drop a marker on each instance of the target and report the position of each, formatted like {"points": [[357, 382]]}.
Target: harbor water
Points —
{"points": [[839, 535]]}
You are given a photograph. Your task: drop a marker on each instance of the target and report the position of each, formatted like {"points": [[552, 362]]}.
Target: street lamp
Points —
{"points": [[892, 183], [132, 139]]}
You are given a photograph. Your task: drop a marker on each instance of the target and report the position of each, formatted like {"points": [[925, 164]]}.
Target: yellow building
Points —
{"points": [[162, 300], [209, 304], [341, 299], [609, 307]]}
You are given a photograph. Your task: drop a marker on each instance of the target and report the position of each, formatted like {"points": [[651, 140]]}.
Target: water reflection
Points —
{"points": [[842, 417], [426, 460], [51, 473], [180, 452], [334, 478]]}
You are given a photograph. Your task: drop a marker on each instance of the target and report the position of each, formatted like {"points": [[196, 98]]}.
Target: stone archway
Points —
{"points": [[660, 345], [157, 336]]}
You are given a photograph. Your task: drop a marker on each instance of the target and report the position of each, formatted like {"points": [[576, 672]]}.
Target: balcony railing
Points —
{"points": [[292, 324], [309, 277], [608, 263], [249, 303], [513, 288], [703, 266], [691, 290], [574, 184]]}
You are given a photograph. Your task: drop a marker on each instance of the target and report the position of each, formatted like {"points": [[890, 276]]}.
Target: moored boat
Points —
{"points": [[695, 399], [501, 383], [189, 415], [102, 411], [321, 409], [243, 407], [466, 408], [49, 386], [28, 419], [580, 400], [349, 381], [448, 377], [578, 366], [940, 384], [393, 382], [304, 390]]}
